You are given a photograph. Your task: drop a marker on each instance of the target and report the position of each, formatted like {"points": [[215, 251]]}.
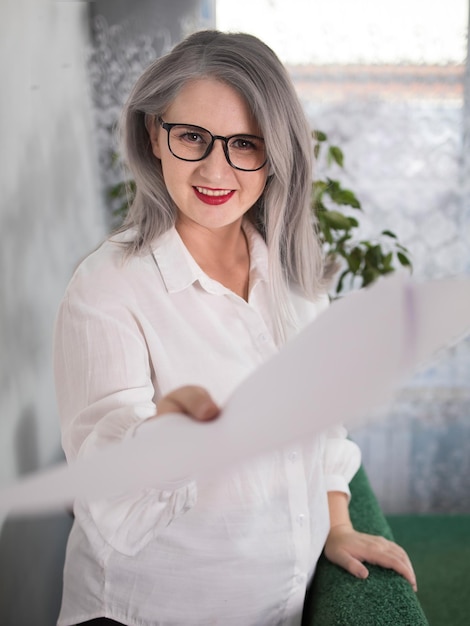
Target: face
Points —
{"points": [[209, 193]]}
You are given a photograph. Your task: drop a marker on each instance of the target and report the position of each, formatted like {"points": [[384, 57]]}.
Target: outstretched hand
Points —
{"points": [[193, 401], [349, 549]]}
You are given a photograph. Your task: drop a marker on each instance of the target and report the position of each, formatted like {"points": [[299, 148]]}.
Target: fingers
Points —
{"points": [[351, 565], [193, 401], [349, 549], [390, 555]]}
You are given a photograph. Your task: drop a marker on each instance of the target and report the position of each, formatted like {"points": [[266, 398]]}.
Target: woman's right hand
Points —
{"points": [[193, 401]]}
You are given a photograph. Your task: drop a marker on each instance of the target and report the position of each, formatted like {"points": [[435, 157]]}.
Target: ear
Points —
{"points": [[153, 129]]}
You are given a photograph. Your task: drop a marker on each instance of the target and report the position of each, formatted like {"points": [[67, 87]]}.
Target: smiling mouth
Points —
{"points": [[213, 192], [213, 196]]}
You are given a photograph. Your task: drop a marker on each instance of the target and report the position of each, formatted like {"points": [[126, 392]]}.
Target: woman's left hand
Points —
{"points": [[349, 549]]}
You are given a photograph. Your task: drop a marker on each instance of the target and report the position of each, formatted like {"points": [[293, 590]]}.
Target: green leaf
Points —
{"points": [[353, 221], [374, 256], [339, 285], [117, 191], [387, 262], [337, 220], [319, 135], [318, 189], [401, 247], [388, 233], [355, 259], [342, 196], [369, 275], [326, 232], [404, 260], [335, 155], [343, 239]]}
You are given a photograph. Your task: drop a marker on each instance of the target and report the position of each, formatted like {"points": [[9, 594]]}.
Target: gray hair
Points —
{"points": [[282, 214]]}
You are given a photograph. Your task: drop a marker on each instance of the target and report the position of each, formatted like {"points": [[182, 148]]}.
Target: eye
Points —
{"points": [[246, 144], [190, 135]]}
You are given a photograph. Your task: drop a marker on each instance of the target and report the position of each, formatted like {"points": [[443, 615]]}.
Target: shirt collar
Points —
{"points": [[179, 270]]}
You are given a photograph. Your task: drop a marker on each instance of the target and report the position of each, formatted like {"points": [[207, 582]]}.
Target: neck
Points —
{"points": [[221, 253]]}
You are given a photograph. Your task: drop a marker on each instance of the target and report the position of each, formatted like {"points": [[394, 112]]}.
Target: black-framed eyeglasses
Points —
{"points": [[194, 143]]}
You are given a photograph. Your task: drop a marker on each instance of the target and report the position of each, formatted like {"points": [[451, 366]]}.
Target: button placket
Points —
{"points": [[259, 332], [299, 510]]}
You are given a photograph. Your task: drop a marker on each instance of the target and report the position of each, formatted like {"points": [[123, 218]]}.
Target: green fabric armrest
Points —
{"points": [[335, 598]]}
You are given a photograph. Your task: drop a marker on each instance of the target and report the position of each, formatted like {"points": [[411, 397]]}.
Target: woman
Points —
{"points": [[216, 266]]}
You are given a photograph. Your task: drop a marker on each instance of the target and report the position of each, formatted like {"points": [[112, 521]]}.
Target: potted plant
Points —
{"points": [[359, 260]]}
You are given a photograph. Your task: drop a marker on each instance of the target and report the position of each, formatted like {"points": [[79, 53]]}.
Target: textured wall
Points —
{"points": [[50, 216], [50, 211], [127, 37]]}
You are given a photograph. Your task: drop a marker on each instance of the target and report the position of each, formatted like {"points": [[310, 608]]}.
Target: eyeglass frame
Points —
{"points": [[167, 126]]}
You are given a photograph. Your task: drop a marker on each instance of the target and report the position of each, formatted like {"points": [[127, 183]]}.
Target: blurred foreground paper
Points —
{"points": [[347, 362]]}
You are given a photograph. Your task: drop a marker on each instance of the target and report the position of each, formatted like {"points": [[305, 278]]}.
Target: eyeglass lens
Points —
{"points": [[192, 143]]}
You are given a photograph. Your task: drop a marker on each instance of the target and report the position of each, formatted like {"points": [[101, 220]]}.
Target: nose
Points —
{"points": [[215, 165]]}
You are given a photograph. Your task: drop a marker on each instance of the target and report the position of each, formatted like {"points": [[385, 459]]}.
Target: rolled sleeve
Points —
{"points": [[342, 458]]}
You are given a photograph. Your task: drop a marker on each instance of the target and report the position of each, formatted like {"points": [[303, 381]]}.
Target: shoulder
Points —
{"points": [[109, 272]]}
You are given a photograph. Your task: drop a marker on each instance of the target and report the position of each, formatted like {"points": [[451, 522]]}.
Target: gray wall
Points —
{"points": [[50, 216], [50, 211]]}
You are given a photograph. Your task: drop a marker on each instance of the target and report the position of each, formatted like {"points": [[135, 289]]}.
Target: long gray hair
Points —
{"points": [[282, 214]]}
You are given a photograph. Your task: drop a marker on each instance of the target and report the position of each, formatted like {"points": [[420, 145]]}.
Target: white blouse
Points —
{"points": [[239, 550]]}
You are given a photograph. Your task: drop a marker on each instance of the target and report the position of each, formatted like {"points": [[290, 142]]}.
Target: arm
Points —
{"points": [[105, 392], [349, 549], [345, 546]]}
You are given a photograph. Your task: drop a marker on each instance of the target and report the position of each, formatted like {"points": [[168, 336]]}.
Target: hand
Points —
{"points": [[193, 401], [348, 548]]}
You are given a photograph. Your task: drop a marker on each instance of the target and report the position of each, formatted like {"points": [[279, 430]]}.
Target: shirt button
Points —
{"points": [[262, 338], [299, 579], [293, 456], [300, 519]]}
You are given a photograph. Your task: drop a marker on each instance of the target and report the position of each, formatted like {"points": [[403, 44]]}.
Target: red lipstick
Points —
{"points": [[213, 196]]}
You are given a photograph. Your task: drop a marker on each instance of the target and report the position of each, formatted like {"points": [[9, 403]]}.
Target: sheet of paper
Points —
{"points": [[343, 365]]}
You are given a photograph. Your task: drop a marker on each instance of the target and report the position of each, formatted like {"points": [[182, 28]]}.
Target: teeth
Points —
{"points": [[213, 192]]}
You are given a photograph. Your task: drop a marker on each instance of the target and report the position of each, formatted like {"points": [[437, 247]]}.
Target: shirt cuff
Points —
{"points": [[336, 482]]}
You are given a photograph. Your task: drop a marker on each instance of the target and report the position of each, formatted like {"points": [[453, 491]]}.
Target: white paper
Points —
{"points": [[347, 362]]}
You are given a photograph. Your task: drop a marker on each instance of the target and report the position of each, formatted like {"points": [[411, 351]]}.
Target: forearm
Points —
{"points": [[338, 505]]}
